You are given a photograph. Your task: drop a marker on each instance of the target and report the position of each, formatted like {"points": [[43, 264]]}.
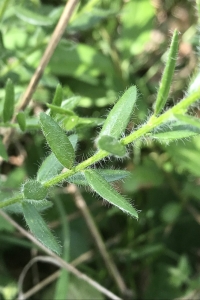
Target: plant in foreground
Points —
{"points": [[60, 165]]}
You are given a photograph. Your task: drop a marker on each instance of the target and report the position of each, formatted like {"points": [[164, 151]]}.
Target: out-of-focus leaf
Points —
{"points": [[33, 17], [84, 290], [71, 103], [9, 102], [189, 120], [88, 19], [175, 132], [70, 122], [84, 63], [62, 284], [3, 152], [21, 119], [39, 228], [60, 110], [136, 26], [144, 176], [186, 155], [111, 145]]}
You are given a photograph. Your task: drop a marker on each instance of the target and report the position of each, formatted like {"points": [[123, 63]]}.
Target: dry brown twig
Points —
{"points": [[55, 38]]}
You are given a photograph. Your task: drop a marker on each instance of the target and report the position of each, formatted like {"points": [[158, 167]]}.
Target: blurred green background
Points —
{"points": [[107, 47]]}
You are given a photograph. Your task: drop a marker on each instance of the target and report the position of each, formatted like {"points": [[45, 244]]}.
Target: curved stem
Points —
{"points": [[151, 124]]}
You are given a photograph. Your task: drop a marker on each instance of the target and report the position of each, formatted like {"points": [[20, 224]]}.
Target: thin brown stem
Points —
{"points": [[60, 261], [55, 38], [109, 262]]}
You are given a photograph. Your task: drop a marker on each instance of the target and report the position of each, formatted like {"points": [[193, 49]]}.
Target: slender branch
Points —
{"points": [[151, 124], [60, 261], [55, 38], [81, 204]]}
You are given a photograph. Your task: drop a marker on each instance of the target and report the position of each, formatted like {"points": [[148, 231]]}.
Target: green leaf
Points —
{"points": [[49, 168], [33, 17], [108, 175], [8, 108], [51, 165], [88, 19], [39, 228], [71, 103], [175, 132], [21, 119], [166, 80], [34, 190], [57, 140], [111, 145], [120, 114], [70, 122], [57, 99], [3, 152], [189, 120], [59, 110], [104, 189], [137, 28]]}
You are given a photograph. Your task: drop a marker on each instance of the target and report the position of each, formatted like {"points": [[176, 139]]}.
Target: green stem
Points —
{"points": [[11, 201], [151, 124], [88, 162]]}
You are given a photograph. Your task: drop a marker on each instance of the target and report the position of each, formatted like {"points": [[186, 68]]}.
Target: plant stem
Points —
{"points": [[11, 201], [151, 124]]}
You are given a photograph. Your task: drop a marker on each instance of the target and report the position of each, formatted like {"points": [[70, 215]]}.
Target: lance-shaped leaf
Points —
{"points": [[51, 165], [175, 132], [3, 152], [59, 110], [104, 189], [33, 18], [21, 119], [189, 120], [8, 108], [108, 175], [166, 80], [33, 189], [120, 114], [57, 140], [39, 228], [111, 145]]}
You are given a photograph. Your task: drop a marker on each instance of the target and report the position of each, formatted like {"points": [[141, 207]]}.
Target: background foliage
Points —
{"points": [[107, 47]]}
